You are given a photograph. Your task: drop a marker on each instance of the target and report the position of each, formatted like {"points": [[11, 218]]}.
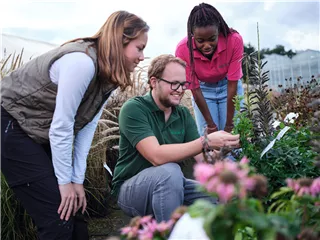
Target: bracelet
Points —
{"points": [[205, 145], [205, 150], [215, 127]]}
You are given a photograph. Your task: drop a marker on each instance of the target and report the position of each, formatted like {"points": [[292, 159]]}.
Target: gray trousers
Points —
{"points": [[158, 191]]}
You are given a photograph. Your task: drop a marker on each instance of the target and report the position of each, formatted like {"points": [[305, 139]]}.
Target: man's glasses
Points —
{"points": [[175, 85]]}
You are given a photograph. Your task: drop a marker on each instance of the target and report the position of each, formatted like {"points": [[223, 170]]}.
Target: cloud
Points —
{"points": [[54, 21], [268, 6], [302, 40]]}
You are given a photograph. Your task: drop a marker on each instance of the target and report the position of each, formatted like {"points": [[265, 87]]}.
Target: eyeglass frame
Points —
{"points": [[182, 84]]}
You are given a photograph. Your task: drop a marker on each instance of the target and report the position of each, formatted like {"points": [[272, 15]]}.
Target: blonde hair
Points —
{"points": [[120, 28], [158, 64]]}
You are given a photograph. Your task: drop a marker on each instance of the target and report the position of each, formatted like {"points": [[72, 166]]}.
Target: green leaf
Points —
{"points": [[209, 221], [200, 208], [282, 191]]}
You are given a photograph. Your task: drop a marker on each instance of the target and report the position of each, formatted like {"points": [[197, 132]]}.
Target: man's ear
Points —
{"points": [[153, 81]]}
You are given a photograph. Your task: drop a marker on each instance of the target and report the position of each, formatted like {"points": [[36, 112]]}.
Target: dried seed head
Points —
{"points": [[228, 177], [261, 186], [305, 182], [308, 234]]}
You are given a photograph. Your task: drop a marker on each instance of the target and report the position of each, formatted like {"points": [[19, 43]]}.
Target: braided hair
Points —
{"points": [[204, 15]]}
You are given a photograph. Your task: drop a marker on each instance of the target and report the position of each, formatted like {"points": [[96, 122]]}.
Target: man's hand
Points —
{"points": [[223, 139], [81, 197], [68, 201]]}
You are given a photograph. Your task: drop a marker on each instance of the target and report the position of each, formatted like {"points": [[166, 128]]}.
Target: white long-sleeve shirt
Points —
{"points": [[72, 73]]}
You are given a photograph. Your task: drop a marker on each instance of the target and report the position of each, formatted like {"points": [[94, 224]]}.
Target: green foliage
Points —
{"points": [[278, 49], [304, 207], [243, 219], [290, 157], [15, 223], [244, 128]]}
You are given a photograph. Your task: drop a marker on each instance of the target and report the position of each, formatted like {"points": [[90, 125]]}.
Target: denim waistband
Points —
{"points": [[215, 84]]}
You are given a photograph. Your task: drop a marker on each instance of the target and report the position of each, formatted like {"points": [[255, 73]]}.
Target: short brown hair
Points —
{"points": [[159, 63]]}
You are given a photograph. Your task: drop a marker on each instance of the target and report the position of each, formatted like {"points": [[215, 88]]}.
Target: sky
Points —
{"points": [[294, 24]]}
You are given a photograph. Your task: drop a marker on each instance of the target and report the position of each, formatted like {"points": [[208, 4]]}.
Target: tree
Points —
{"points": [[279, 49]]}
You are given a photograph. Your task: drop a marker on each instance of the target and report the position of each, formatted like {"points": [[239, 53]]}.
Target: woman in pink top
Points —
{"points": [[213, 53]]}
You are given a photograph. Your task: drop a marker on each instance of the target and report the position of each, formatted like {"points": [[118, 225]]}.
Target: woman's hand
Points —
{"points": [[223, 139], [81, 197], [68, 203]]}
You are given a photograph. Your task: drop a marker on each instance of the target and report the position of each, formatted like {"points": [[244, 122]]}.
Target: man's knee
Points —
{"points": [[172, 175], [170, 168]]}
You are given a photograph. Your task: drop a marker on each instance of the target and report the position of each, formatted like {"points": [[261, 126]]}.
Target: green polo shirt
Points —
{"points": [[139, 118]]}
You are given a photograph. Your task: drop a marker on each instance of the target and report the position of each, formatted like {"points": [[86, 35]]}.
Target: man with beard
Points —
{"points": [[156, 133]]}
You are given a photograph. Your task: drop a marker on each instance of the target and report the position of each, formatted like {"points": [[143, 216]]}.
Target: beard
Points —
{"points": [[166, 102]]}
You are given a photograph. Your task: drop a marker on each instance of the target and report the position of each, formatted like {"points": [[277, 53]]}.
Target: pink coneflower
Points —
{"points": [[203, 172], [145, 235], [315, 187], [148, 229], [150, 226], [225, 178], [125, 230], [304, 186], [130, 232], [145, 219], [165, 226], [244, 160]]}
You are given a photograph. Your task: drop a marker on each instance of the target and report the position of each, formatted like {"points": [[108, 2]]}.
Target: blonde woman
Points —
{"points": [[50, 108]]}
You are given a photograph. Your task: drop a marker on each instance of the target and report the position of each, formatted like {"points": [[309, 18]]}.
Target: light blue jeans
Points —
{"points": [[215, 94], [158, 191]]}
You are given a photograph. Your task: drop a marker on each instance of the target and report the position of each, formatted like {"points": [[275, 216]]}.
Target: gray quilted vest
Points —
{"points": [[29, 95]]}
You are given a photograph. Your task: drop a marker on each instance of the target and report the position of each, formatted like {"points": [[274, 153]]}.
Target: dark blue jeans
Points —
{"points": [[158, 191], [28, 169]]}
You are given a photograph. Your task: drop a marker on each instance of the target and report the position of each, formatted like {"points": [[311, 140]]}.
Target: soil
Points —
{"points": [[106, 227]]}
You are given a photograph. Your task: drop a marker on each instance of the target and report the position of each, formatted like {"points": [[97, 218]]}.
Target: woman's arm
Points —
{"points": [[234, 75], [232, 92], [203, 107], [72, 73]]}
